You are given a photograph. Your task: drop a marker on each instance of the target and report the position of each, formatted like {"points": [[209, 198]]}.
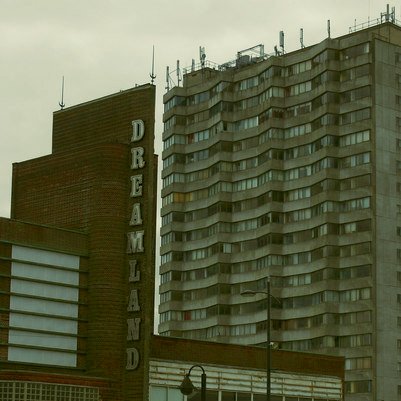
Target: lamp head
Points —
{"points": [[186, 386]]}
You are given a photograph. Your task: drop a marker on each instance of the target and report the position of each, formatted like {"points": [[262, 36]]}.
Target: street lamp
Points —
{"points": [[188, 388], [250, 293]]}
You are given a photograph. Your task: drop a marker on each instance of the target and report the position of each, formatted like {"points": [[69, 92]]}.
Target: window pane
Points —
{"points": [[174, 394], [158, 394]]}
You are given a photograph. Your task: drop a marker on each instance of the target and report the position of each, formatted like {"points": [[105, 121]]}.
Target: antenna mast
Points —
{"points": [[281, 39], [178, 73], [301, 37], [152, 74], [202, 56], [62, 104], [167, 78]]}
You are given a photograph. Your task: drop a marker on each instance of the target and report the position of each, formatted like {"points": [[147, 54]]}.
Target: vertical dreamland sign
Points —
{"points": [[135, 245], [140, 250]]}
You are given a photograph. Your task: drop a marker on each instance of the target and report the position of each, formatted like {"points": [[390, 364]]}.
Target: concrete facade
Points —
{"points": [[289, 166]]}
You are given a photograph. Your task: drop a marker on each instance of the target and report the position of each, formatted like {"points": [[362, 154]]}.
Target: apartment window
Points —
{"points": [[198, 98], [355, 51], [355, 138], [399, 276], [298, 68], [399, 298], [358, 363], [244, 124], [299, 109], [358, 340], [354, 73], [399, 344], [175, 101], [399, 231], [355, 94], [299, 88], [355, 116], [248, 83], [360, 386]]}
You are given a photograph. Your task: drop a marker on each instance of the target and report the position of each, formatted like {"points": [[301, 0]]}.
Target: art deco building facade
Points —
{"points": [[77, 257], [289, 166]]}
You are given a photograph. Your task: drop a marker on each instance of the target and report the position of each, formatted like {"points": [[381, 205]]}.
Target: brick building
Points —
{"points": [[65, 289]]}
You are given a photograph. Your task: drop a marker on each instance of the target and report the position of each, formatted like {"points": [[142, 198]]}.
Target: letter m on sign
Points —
{"points": [[135, 241]]}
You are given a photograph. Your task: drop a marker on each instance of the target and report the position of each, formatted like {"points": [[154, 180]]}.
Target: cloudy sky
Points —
{"points": [[102, 46]]}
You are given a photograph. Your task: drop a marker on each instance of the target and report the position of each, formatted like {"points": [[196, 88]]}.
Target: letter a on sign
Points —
{"points": [[138, 130], [133, 302], [136, 217]]}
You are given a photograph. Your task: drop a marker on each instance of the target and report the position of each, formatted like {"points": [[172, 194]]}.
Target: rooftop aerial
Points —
{"points": [[256, 54]]}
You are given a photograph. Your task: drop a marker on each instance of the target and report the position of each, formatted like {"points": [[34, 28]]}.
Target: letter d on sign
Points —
{"points": [[138, 130], [132, 358]]}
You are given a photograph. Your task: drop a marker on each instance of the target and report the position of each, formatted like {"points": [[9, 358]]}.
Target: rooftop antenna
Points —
{"points": [[202, 56], [178, 73], [62, 104], [387, 15], [152, 74], [301, 37], [167, 78], [328, 29], [281, 37], [193, 65]]}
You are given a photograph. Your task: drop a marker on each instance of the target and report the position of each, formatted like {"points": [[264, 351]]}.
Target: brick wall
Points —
{"points": [[85, 185], [244, 356]]}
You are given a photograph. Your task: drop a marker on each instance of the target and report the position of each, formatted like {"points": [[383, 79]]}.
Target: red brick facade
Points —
{"points": [[86, 185], [247, 357]]}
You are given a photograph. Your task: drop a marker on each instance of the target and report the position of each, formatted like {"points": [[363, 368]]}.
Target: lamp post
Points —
{"points": [[187, 387], [250, 293]]}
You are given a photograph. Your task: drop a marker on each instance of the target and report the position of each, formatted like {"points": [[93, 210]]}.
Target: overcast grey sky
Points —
{"points": [[102, 46]]}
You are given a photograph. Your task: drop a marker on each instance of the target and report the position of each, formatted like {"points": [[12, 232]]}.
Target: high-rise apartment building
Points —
{"points": [[289, 166]]}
